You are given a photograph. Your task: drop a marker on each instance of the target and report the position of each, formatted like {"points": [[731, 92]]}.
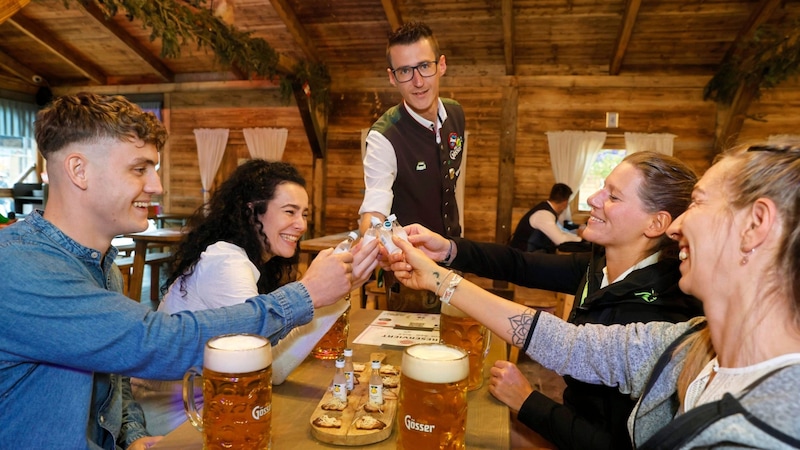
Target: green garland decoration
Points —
{"points": [[769, 58], [315, 77], [179, 22]]}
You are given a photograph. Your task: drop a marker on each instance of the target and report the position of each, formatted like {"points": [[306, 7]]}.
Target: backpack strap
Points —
{"points": [[664, 359], [666, 356], [688, 425]]}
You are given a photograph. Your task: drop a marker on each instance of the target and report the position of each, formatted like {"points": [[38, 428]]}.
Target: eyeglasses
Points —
{"points": [[406, 73]]}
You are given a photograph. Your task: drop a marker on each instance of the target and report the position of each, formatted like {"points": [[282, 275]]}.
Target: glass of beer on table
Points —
{"points": [[432, 403], [237, 393], [333, 343], [459, 329]]}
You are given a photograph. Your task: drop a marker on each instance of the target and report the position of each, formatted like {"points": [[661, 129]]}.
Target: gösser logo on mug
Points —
{"points": [[237, 393]]}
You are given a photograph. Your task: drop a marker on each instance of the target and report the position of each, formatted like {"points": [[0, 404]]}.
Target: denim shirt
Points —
{"points": [[70, 340]]}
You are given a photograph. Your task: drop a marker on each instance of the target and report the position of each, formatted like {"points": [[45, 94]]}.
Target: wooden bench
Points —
{"points": [[154, 260]]}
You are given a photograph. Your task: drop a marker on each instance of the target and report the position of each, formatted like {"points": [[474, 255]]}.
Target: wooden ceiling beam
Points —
{"points": [[763, 11], [731, 126], [19, 70], [392, 14], [181, 86], [141, 51], [46, 40], [295, 28], [624, 35], [507, 8]]}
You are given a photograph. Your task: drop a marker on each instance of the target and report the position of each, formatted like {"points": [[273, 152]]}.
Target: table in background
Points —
{"points": [[294, 401], [164, 236], [310, 247], [164, 219]]}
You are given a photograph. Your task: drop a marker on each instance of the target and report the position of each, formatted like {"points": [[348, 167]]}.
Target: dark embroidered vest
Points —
{"points": [[424, 188]]}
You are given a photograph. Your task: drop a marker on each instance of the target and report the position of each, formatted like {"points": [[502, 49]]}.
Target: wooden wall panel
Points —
{"points": [[645, 104], [234, 110]]}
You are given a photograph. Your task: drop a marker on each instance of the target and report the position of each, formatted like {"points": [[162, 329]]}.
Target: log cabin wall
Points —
{"points": [[234, 110], [650, 104]]}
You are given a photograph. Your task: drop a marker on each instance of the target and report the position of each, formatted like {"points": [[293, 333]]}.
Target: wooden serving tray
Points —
{"points": [[348, 434]]}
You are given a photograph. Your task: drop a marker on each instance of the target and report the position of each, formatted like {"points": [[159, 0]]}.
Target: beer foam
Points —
{"points": [[452, 311], [435, 363], [237, 353]]}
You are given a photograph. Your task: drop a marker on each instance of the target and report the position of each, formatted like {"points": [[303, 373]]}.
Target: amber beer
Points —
{"points": [[237, 393], [333, 343], [432, 403], [459, 329]]}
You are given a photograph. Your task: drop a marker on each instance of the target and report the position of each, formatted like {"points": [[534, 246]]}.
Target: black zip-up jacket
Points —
{"points": [[592, 416]]}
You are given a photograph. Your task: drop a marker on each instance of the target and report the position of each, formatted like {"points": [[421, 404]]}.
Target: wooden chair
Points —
{"points": [[154, 261]]}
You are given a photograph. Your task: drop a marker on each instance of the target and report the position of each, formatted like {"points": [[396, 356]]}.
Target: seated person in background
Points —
{"points": [[633, 277], [538, 229], [244, 243], [70, 339], [727, 380]]}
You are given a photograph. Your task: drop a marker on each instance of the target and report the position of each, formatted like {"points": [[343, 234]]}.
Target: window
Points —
{"points": [[603, 164]]}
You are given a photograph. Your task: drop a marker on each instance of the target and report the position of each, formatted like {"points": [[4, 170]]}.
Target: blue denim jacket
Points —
{"points": [[67, 329]]}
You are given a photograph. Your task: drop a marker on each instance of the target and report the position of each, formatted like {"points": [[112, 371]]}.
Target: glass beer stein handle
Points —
{"points": [[189, 404], [487, 342]]}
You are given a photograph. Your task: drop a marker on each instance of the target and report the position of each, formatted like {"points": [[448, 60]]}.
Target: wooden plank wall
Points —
{"points": [[234, 110], [670, 104]]}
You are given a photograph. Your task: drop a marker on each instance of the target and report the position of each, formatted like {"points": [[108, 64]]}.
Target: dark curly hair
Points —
{"points": [[227, 217]]}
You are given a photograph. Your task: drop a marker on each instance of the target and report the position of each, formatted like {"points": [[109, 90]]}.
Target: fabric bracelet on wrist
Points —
{"points": [[444, 278], [448, 293]]}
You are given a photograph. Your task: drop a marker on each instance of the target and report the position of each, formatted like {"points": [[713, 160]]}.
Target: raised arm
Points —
{"points": [[508, 320]]}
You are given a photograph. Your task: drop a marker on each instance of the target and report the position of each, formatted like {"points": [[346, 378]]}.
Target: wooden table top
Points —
{"points": [[319, 244], [294, 401], [166, 235]]}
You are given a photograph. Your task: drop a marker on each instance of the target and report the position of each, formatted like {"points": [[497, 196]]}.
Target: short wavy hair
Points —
{"points": [[229, 217], [408, 34], [89, 118]]}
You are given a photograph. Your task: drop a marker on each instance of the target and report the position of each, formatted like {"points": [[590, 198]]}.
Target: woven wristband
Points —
{"points": [[444, 278], [448, 293]]}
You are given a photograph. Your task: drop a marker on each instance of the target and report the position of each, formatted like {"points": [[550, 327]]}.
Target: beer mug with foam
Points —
{"points": [[333, 343], [432, 403], [459, 329], [237, 393]]}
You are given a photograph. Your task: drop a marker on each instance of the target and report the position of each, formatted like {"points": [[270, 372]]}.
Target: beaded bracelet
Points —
{"points": [[448, 293], [444, 278]]}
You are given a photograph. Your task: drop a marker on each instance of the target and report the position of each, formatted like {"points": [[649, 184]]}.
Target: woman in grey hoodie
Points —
{"points": [[729, 379]]}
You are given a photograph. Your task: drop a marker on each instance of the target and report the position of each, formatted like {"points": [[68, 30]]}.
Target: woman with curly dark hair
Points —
{"points": [[237, 221], [244, 242]]}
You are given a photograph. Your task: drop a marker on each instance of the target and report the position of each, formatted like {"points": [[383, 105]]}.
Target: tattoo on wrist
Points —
{"points": [[520, 326], [438, 277]]}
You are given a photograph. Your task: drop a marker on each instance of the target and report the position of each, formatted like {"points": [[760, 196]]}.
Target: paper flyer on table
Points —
{"points": [[400, 329]]}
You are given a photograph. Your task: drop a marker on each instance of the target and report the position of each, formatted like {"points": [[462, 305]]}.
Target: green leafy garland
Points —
{"points": [[769, 58], [314, 77], [178, 22]]}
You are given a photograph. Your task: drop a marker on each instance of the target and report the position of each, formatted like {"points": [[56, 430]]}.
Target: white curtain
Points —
{"points": [[210, 148], [266, 143], [654, 142], [571, 155]]}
